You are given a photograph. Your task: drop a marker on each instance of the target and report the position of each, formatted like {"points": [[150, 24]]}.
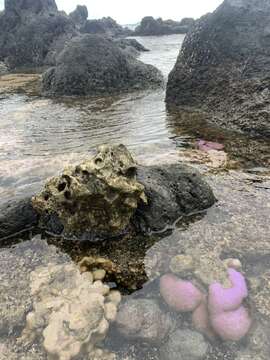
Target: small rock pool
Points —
{"points": [[38, 137]]}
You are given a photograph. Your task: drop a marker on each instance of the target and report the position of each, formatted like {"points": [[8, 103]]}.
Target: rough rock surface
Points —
{"points": [[105, 26], [92, 64], [172, 191], [184, 345], [98, 196], [223, 67], [151, 26], [79, 15], [28, 30], [16, 216], [71, 313], [142, 319]]}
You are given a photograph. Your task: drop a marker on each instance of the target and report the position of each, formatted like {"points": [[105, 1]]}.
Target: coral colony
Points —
{"points": [[220, 313]]}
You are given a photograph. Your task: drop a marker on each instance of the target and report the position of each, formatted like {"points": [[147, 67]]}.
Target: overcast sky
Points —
{"points": [[131, 11]]}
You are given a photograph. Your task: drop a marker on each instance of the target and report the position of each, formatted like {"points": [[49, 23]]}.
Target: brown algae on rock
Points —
{"points": [[98, 196]]}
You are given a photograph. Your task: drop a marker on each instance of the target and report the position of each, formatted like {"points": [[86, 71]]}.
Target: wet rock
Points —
{"points": [[151, 26], [79, 15], [16, 216], [97, 197], [16, 266], [70, 312], [28, 31], [142, 319], [227, 76], [184, 345], [92, 65], [172, 191]]}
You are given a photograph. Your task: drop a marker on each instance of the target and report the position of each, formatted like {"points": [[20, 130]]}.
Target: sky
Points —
{"points": [[132, 11]]}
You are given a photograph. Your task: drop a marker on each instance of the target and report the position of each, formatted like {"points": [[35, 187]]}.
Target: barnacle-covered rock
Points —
{"points": [[99, 196]]}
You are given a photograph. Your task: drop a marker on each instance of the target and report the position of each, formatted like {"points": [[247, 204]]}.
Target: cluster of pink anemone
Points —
{"points": [[221, 312]]}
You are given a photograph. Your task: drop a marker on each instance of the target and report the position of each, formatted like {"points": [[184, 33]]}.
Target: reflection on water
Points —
{"points": [[38, 137]]}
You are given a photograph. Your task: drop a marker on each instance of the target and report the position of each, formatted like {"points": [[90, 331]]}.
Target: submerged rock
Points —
{"points": [[71, 313], [142, 319], [16, 266], [92, 65], [97, 197], [223, 67], [184, 345]]}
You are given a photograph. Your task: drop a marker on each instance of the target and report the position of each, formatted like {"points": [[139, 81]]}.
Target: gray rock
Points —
{"points": [[92, 65], [155, 27], [28, 30], [79, 15], [223, 67], [184, 345], [131, 46], [105, 26], [172, 191], [142, 319]]}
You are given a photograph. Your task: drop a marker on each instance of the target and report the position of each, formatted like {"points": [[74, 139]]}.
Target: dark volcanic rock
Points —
{"points": [[151, 26], [16, 216], [105, 26], [223, 67], [92, 64], [28, 31], [172, 191], [79, 15]]}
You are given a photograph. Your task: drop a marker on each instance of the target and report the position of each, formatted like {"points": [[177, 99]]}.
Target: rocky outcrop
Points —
{"points": [[105, 26], [28, 30], [108, 195], [97, 197], [92, 65], [223, 67], [150, 26], [79, 15]]}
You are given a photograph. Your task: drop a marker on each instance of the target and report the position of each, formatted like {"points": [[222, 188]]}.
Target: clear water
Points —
{"points": [[39, 136]]}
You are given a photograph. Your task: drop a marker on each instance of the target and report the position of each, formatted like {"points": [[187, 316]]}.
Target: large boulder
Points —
{"points": [[223, 67], [28, 31], [155, 27], [92, 64]]}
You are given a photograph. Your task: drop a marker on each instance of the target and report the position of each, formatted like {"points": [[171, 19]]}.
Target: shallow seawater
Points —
{"points": [[38, 137]]}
